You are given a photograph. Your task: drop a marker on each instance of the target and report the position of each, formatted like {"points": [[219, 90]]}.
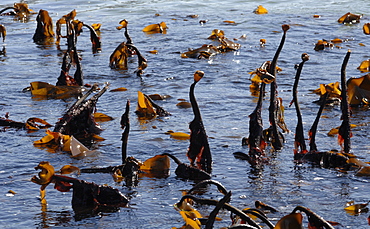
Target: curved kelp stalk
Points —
{"points": [[333, 158], [87, 197], [199, 151], [344, 134], [299, 141], [212, 217], [44, 27], [95, 39], [219, 186], [7, 8], [186, 171], [20, 10], [262, 206], [260, 215], [314, 220], [226, 206], [276, 141]]}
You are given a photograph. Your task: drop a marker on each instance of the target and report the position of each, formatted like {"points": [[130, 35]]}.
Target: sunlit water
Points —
{"points": [[223, 96]]}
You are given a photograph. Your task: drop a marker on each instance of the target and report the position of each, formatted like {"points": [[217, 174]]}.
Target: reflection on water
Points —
{"points": [[47, 219]]}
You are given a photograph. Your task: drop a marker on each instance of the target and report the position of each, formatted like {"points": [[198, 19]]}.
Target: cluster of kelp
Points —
{"points": [[78, 126]]}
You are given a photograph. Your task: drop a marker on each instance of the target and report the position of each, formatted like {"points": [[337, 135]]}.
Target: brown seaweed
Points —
{"points": [[276, 140], [186, 171], [199, 152], [79, 119], [86, 196], [44, 27]]}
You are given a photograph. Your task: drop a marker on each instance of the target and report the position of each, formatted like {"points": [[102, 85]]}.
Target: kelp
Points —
{"points": [[329, 159], [344, 133], [359, 90], [208, 50], [205, 51], [322, 44], [71, 57], [31, 123], [343, 159], [260, 10], [131, 168], [299, 142], [45, 90], [147, 108], [156, 28], [245, 218], [66, 85], [76, 25], [199, 152], [188, 172], [44, 27], [364, 66], [2, 32], [366, 28], [20, 11], [350, 18], [87, 196], [333, 96], [221, 188], [353, 209], [275, 139], [261, 75], [79, 120], [119, 58], [178, 135], [255, 140]]}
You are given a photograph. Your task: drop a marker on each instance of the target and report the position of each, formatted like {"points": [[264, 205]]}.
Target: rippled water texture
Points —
{"points": [[223, 96]]}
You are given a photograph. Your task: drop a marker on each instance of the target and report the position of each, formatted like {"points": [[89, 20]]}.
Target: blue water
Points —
{"points": [[223, 96]]}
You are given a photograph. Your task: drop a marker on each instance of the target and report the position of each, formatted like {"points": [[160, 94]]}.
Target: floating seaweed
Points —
{"points": [[30, 124], [147, 108], [19, 10], [350, 18], [87, 197], [156, 28], [208, 50]]}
